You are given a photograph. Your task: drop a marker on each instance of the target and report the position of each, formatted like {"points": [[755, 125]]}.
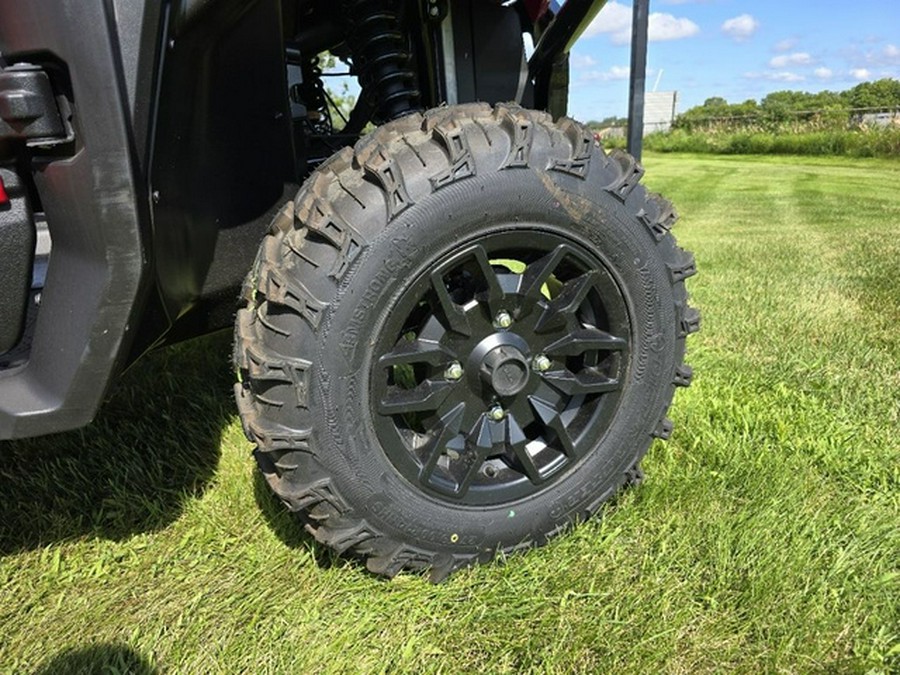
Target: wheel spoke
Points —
{"points": [[448, 430], [551, 419], [429, 395], [539, 272], [567, 302], [481, 442], [517, 442], [493, 294], [408, 352], [453, 315], [583, 340], [585, 382], [522, 411]]}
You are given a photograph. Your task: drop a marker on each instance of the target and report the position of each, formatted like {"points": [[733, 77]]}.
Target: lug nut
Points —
{"points": [[541, 363], [503, 320], [496, 413], [454, 371]]}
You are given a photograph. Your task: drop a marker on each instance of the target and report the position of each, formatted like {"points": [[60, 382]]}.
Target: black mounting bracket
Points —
{"points": [[28, 109]]}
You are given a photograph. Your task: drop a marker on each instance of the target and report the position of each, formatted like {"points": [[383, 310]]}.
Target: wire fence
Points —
{"points": [[765, 119], [764, 112]]}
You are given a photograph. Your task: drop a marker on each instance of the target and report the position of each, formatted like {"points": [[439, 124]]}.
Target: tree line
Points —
{"points": [[824, 108]]}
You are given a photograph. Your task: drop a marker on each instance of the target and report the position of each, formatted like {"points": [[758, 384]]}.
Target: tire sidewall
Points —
{"points": [[409, 246]]}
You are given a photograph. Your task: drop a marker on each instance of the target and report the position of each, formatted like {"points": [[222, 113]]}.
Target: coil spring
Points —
{"points": [[313, 95], [381, 59]]}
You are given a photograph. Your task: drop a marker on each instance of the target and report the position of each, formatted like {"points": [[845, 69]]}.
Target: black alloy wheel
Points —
{"points": [[500, 367]]}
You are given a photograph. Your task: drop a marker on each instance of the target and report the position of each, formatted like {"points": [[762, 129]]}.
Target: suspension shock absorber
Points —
{"points": [[381, 58]]}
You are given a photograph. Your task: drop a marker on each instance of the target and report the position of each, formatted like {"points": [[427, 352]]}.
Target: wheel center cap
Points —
{"points": [[506, 369]]}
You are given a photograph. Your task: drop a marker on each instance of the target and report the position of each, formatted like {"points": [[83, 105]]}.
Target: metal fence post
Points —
{"points": [[638, 77]]}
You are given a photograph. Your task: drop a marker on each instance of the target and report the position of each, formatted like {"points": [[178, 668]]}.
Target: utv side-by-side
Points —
{"points": [[458, 322]]}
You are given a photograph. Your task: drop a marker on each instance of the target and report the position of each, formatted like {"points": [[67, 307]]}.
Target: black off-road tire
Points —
{"points": [[356, 265]]}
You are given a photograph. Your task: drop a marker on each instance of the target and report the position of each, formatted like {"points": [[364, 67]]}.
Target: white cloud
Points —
{"points": [[785, 45], [780, 76], [615, 20], [785, 76], [614, 73], [860, 73], [582, 61], [740, 27], [889, 55], [795, 59], [823, 73], [663, 27]]}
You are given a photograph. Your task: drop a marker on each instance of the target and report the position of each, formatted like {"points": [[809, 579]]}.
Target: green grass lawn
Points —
{"points": [[765, 538]]}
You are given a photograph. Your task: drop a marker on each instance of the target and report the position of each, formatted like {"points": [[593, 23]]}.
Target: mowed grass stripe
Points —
{"points": [[803, 372], [765, 537]]}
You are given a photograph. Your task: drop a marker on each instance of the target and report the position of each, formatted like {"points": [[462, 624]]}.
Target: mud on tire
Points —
{"points": [[461, 337]]}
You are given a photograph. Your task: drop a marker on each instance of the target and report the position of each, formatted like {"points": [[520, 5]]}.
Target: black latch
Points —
{"points": [[28, 109]]}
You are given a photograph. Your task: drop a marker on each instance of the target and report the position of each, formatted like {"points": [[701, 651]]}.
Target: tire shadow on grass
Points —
{"points": [[154, 446], [288, 527], [102, 658]]}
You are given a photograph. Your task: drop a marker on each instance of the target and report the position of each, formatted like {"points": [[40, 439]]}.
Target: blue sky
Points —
{"points": [[735, 49]]}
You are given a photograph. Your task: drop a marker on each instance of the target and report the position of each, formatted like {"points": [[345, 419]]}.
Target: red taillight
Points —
{"points": [[4, 198]]}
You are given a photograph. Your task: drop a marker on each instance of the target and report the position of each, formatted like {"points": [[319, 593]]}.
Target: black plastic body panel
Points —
{"points": [[182, 154], [91, 200], [17, 237], [489, 52], [139, 25], [222, 153]]}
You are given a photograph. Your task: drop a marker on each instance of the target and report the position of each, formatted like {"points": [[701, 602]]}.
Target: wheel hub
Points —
{"points": [[506, 370], [500, 362]]}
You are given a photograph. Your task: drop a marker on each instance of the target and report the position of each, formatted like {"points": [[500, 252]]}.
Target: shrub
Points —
{"points": [[851, 143]]}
